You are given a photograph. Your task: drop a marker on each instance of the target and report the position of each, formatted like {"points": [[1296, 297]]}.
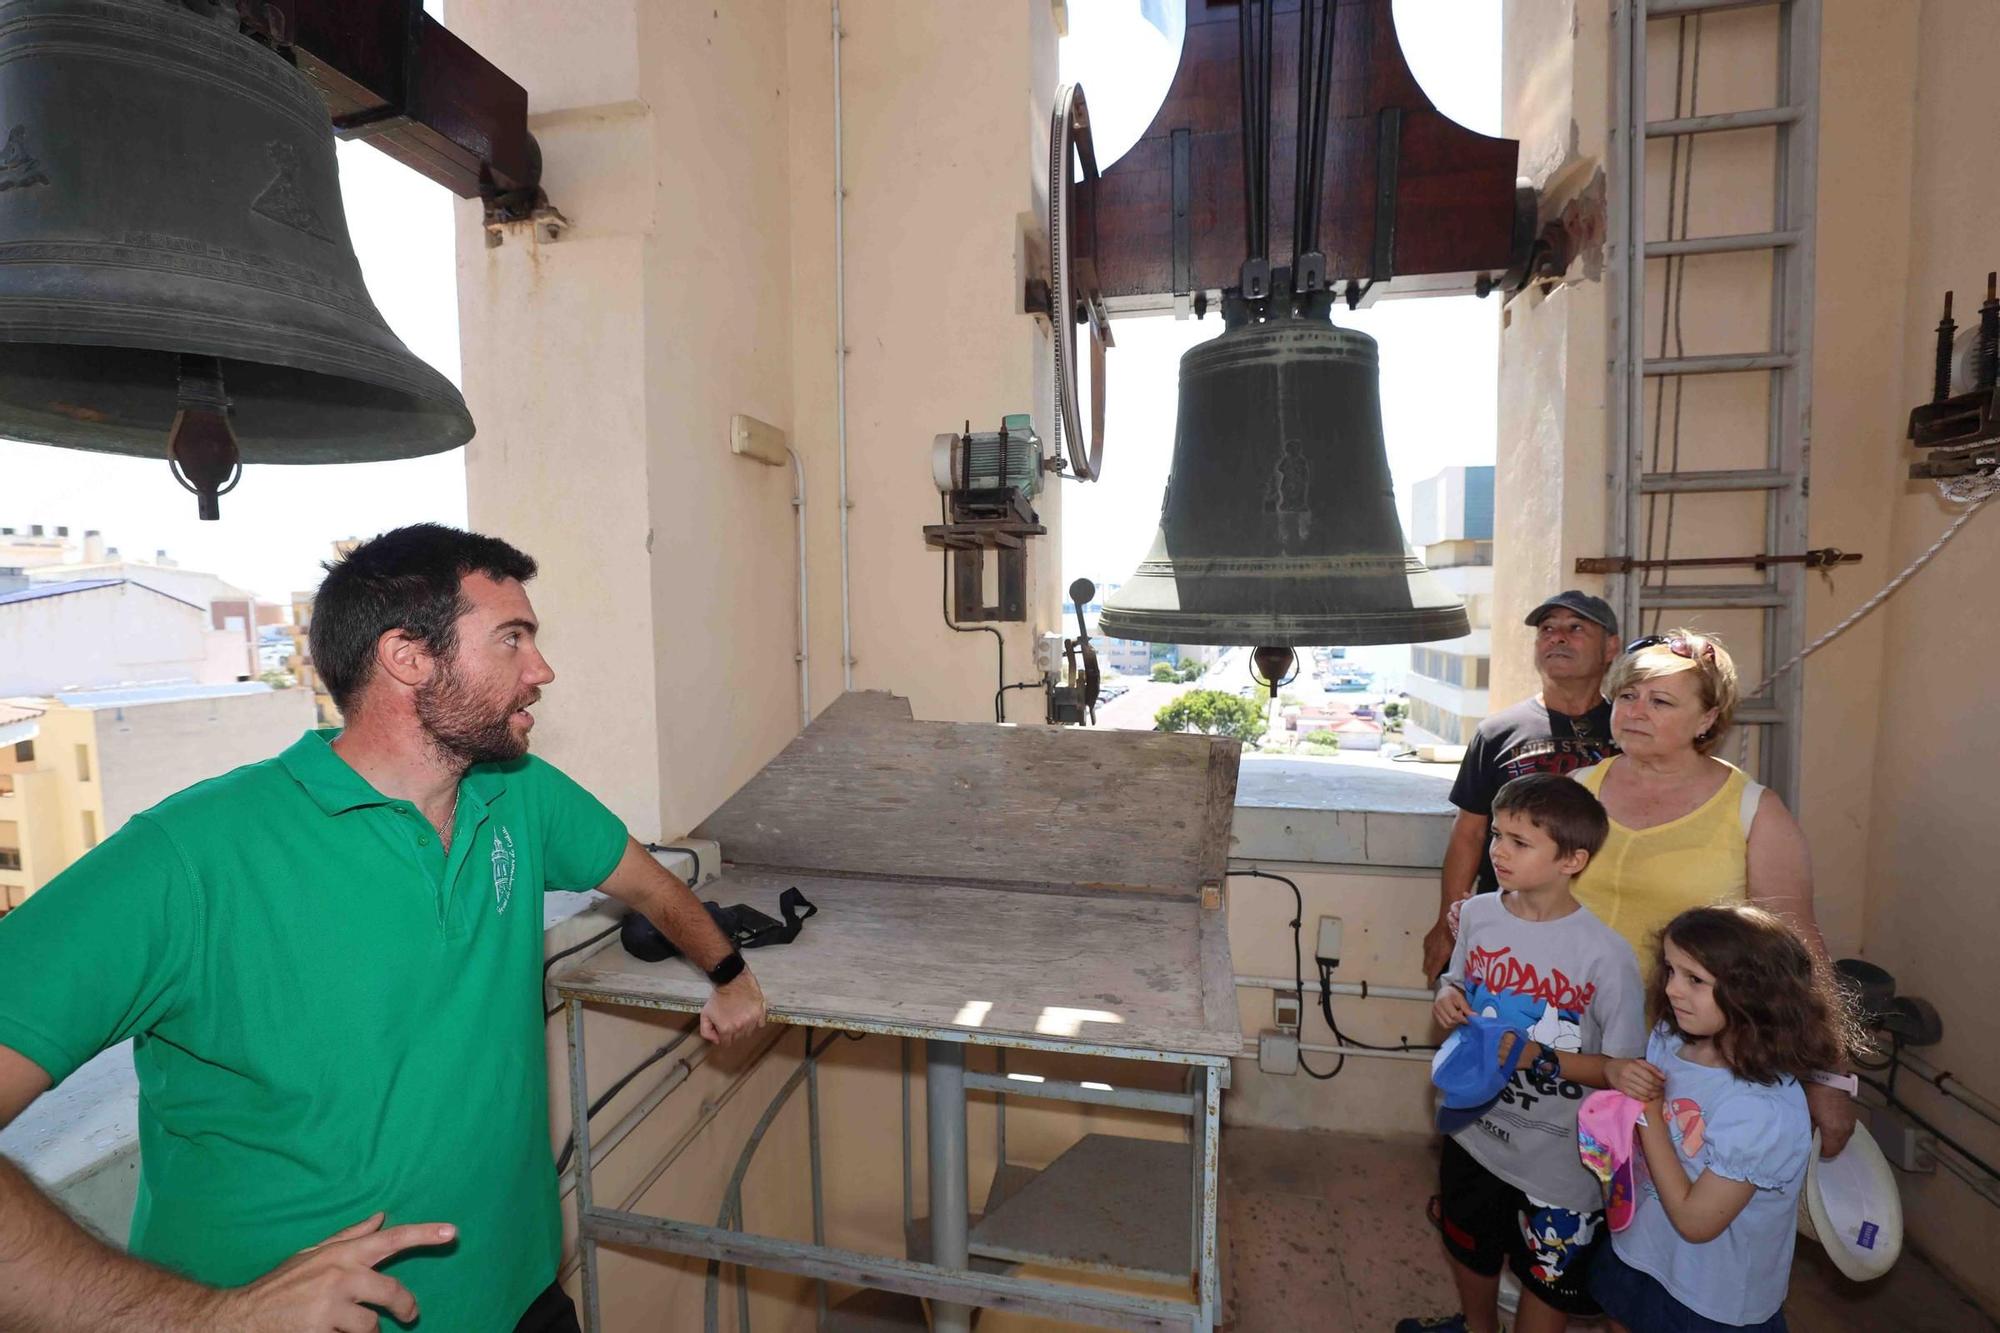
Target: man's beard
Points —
{"points": [[466, 727]]}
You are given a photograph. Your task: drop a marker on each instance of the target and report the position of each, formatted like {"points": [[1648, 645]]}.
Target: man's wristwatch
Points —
{"points": [[1847, 1083], [1546, 1065], [727, 970]]}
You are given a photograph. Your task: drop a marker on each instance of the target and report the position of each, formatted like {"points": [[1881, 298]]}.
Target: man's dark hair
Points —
{"points": [[407, 580], [1560, 807]]}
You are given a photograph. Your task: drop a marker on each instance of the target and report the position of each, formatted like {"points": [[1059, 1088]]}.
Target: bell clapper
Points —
{"points": [[1274, 666], [201, 446]]}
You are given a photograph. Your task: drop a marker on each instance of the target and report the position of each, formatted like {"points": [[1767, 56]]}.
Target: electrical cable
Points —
{"points": [[1947, 1140], [557, 957], [944, 609], [999, 707], [1298, 958], [689, 852], [604, 1098], [1326, 1010]]}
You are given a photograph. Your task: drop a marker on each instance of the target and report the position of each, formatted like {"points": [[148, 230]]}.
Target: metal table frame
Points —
{"points": [[948, 1283]]}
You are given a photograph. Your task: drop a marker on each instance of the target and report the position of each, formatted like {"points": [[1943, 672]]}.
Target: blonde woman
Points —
{"points": [[1689, 829]]}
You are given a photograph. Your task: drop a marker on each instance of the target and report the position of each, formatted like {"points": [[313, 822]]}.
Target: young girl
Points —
{"points": [[1742, 1011]]}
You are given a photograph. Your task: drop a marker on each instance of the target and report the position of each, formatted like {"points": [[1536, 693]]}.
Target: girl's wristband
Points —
{"points": [[1847, 1083]]}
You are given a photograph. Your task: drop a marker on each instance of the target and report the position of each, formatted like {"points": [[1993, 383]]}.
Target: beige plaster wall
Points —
{"points": [[691, 147], [1384, 915], [1932, 840], [1891, 808]]}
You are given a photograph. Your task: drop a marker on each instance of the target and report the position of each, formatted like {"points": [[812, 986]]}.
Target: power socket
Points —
{"points": [[1285, 1011], [1328, 949]]}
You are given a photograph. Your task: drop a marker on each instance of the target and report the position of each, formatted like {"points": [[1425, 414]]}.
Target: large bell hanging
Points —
{"points": [[1279, 524], [170, 209]]}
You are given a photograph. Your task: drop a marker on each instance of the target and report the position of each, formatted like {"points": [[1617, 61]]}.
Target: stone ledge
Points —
{"points": [[1344, 811]]}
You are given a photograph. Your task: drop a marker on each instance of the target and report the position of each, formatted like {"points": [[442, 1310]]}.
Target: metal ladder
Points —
{"points": [[1787, 358]]}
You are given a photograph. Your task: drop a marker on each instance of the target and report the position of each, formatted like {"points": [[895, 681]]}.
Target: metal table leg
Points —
{"points": [[1208, 1296], [944, 1081], [579, 1110]]}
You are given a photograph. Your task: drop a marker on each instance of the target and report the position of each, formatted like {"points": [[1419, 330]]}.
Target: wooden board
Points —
{"points": [[1002, 967], [866, 790]]}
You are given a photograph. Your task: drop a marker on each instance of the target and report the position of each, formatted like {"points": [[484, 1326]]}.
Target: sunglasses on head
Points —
{"points": [[1678, 645]]}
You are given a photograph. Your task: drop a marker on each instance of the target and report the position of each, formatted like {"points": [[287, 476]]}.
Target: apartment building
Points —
{"points": [[1451, 523], [75, 766]]}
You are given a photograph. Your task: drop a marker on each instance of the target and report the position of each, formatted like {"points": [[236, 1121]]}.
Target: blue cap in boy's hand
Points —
{"points": [[1467, 1069]]}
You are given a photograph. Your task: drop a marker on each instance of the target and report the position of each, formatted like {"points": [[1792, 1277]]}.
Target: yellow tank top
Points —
{"points": [[1643, 878]]}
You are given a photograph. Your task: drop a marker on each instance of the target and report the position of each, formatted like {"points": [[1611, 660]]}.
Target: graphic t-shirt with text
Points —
{"points": [[1571, 983]]}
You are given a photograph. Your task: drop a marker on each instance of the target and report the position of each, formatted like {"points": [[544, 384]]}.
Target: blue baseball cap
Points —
{"points": [[1467, 1068]]}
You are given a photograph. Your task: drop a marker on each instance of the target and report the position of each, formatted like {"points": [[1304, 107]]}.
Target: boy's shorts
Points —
{"points": [[1485, 1221]]}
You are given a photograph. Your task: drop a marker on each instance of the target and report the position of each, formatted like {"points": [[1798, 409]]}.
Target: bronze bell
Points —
{"points": [[174, 254], [1279, 524]]}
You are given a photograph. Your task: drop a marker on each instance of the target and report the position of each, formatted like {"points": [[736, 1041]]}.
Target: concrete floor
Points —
{"points": [[1327, 1232]]}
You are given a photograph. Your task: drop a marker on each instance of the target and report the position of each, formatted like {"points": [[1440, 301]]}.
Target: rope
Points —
{"points": [[1973, 492]]}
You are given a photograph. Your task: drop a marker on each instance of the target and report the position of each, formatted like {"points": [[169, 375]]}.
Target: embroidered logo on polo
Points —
{"points": [[503, 868]]}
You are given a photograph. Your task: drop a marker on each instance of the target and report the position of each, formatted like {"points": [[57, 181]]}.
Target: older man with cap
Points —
{"points": [[1566, 726]]}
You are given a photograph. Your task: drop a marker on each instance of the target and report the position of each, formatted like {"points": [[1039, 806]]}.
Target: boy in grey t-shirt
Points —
{"points": [[1511, 1187]]}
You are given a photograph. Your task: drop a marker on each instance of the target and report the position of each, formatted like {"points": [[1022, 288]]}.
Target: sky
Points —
{"points": [[280, 523]]}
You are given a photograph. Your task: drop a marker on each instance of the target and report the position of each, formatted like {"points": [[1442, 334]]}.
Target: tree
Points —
{"points": [[1323, 740], [1193, 670], [1164, 671], [1215, 712], [276, 679]]}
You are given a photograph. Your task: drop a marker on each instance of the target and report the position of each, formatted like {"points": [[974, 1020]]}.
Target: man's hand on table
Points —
{"points": [[734, 1011]]}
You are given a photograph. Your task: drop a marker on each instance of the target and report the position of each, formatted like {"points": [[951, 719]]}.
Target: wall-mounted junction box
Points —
{"points": [[1328, 949], [1907, 1147], [1278, 1052], [1285, 1011]]}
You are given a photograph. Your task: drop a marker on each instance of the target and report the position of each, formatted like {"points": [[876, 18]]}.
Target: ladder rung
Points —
{"points": [[1722, 245], [1715, 597], [1724, 120], [1727, 479], [1720, 364], [1669, 9]]}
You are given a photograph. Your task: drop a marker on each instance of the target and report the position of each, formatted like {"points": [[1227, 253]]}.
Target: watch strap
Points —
{"points": [[728, 969]]}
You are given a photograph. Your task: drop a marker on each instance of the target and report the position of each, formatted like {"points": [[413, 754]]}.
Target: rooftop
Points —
{"points": [[158, 694]]}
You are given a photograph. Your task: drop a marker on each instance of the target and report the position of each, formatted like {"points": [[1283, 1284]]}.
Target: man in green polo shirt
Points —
{"points": [[330, 963]]}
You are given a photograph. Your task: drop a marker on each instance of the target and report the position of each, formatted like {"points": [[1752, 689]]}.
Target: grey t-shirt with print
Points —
{"points": [[1572, 983]]}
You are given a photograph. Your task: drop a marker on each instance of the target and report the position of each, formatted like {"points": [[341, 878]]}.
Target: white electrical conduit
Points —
{"points": [[1948, 1083], [840, 355], [748, 440], [805, 639], [1361, 1052], [640, 1110], [709, 1110], [1362, 990]]}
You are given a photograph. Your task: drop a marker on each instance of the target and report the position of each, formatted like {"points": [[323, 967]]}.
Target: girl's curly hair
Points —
{"points": [[1784, 1014]]}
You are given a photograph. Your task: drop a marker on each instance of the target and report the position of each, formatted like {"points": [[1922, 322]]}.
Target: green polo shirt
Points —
{"points": [[332, 1014]]}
